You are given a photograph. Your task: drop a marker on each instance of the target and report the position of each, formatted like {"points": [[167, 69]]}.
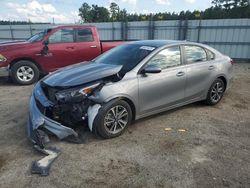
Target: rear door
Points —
{"points": [[160, 90], [87, 47], [200, 68]]}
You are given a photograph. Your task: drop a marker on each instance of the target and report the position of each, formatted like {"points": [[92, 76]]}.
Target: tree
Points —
{"points": [[229, 4], [217, 3], [114, 10], [84, 12], [99, 14], [122, 15], [93, 13], [221, 9]]}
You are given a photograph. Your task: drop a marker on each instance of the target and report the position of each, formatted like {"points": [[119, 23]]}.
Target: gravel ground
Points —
{"points": [[212, 151]]}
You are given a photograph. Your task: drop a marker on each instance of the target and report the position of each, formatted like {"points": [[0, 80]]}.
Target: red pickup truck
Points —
{"points": [[24, 61]]}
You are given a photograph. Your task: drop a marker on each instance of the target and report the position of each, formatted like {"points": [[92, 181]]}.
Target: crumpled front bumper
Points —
{"points": [[38, 122]]}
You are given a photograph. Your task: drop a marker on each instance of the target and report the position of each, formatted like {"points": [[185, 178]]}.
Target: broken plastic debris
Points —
{"points": [[181, 130], [92, 112], [168, 129], [42, 166]]}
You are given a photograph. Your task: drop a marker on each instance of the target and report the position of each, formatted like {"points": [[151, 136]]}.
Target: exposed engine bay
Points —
{"points": [[70, 105]]}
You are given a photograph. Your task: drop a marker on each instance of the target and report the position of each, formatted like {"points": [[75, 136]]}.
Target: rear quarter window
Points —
{"points": [[210, 55]]}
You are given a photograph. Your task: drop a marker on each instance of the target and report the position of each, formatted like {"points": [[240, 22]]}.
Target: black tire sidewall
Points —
{"points": [[98, 124], [30, 64], [209, 101]]}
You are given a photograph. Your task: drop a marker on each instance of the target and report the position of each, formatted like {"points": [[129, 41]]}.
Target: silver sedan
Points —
{"points": [[127, 83]]}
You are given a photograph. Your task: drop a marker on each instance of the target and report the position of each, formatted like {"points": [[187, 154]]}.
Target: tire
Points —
{"points": [[215, 92], [103, 122], [25, 72]]}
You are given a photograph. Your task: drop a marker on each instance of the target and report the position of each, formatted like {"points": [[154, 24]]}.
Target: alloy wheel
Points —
{"points": [[25, 73], [217, 92], [116, 119]]}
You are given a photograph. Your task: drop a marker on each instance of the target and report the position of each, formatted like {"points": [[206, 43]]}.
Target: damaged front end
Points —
{"points": [[58, 111], [63, 101]]}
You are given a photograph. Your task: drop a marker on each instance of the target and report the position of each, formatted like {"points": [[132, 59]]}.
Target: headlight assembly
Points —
{"points": [[2, 58], [75, 94]]}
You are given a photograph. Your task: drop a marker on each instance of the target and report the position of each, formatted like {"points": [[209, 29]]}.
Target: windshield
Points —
{"points": [[127, 55], [38, 36]]}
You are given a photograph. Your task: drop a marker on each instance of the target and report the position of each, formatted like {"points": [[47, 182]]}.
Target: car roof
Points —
{"points": [[72, 25], [157, 43]]}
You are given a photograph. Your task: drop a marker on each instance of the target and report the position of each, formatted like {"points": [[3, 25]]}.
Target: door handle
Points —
{"points": [[181, 73], [211, 67], [93, 46], [70, 47]]}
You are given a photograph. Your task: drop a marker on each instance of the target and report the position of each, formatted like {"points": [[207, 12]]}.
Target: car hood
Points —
{"points": [[80, 74], [11, 45]]}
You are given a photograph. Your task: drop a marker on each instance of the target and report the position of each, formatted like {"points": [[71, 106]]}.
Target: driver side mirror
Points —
{"points": [[151, 69], [46, 42], [45, 49]]}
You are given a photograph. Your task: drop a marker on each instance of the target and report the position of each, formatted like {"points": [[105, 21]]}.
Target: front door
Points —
{"points": [[61, 49], [160, 90]]}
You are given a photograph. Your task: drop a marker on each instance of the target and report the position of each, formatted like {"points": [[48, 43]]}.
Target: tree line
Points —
{"points": [[4, 22], [220, 9]]}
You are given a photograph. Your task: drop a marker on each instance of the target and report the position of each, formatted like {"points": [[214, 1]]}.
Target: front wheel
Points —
{"points": [[216, 92], [113, 119], [24, 72]]}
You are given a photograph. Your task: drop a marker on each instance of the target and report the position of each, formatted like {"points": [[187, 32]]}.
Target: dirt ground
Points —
{"points": [[213, 151]]}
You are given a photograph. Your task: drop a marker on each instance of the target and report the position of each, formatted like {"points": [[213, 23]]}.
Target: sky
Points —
{"points": [[66, 11]]}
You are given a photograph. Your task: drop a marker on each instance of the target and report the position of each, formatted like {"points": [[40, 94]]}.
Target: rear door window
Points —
{"points": [[195, 54], [84, 35], [65, 35]]}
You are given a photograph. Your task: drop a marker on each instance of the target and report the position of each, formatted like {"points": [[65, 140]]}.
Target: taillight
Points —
{"points": [[232, 61]]}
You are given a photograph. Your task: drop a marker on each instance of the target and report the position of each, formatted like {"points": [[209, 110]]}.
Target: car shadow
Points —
{"points": [[89, 137], [7, 82], [198, 104]]}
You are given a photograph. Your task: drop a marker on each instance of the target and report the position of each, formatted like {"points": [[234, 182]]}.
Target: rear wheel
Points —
{"points": [[24, 72], [113, 119], [215, 92]]}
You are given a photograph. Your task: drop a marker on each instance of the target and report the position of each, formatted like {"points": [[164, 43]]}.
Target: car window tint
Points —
{"points": [[62, 36], [195, 54], [166, 58], [84, 35], [210, 55], [127, 55]]}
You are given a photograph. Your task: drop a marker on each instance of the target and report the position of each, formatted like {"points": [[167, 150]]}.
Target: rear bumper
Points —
{"points": [[4, 71], [38, 122]]}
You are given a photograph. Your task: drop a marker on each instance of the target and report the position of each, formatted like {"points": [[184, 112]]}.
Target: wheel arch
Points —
{"points": [[27, 59], [128, 100], [223, 78]]}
